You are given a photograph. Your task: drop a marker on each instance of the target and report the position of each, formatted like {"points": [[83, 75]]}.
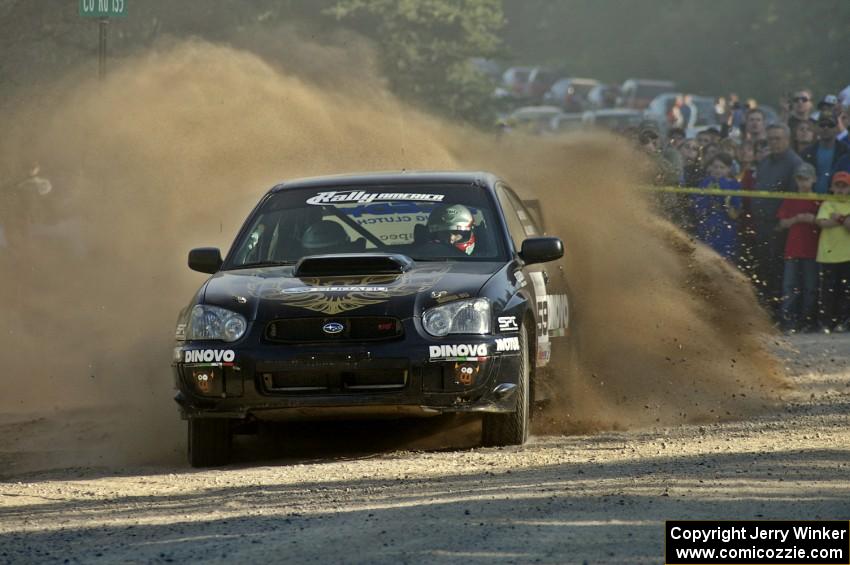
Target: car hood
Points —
{"points": [[274, 292]]}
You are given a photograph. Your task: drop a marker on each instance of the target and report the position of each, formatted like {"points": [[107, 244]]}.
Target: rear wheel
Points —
{"points": [[512, 428], [209, 441]]}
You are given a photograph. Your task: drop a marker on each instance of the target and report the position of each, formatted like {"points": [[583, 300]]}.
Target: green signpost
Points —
{"points": [[102, 10]]}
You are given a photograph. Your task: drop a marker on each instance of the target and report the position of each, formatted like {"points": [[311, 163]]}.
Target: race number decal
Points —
{"points": [[557, 314], [544, 347]]}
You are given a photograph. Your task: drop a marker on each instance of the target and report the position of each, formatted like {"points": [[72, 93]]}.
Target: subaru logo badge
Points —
{"points": [[332, 328]]}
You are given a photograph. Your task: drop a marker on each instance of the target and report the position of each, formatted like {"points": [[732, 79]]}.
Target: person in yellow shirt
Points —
{"points": [[834, 257]]}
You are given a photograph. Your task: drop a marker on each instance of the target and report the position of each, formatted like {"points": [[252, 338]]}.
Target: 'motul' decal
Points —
{"points": [[209, 356], [507, 344]]}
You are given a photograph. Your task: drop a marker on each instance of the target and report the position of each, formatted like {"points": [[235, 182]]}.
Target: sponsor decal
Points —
{"points": [[180, 332], [304, 289], [333, 328], [520, 279], [203, 381], [393, 220], [465, 373], [436, 294], [459, 352], [507, 324], [333, 296], [361, 197], [543, 345], [558, 314], [413, 209], [507, 344], [223, 356]]}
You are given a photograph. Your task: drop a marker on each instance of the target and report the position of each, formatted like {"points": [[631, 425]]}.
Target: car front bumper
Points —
{"points": [[410, 376]]}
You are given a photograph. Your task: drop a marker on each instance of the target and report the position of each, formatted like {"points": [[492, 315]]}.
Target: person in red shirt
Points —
{"points": [[800, 278]]}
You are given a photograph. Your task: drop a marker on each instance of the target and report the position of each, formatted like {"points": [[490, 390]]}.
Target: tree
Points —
{"points": [[426, 46]]}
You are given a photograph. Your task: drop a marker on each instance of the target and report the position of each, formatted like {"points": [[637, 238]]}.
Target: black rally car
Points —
{"points": [[403, 294]]}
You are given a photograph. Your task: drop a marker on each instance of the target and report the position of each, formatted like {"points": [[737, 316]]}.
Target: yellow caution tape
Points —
{"points": [[752, 193]]}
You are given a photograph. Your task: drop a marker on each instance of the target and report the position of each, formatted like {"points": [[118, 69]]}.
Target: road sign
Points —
{"points": [[103, 8]]}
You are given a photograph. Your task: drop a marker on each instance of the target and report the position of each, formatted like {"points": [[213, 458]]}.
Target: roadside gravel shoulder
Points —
{"points": [[598, 498]]}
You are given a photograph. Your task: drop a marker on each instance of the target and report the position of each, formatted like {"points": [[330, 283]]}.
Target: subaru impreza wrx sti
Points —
{"points": [[405, 294]]}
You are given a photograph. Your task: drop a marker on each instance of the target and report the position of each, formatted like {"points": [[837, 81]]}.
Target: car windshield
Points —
{"points": [[583, 88], [425, 222], [705, 112]]}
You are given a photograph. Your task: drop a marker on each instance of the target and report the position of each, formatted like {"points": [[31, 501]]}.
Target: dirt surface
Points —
{"points": [[596, 498], [91, 448]]}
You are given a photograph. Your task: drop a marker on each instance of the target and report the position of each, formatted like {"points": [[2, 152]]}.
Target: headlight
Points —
{"points": [[212, 322], [461, 317]]}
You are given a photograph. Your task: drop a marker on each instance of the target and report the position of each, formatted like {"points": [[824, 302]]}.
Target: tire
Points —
{"points": [[512, 428], [209, 442]]}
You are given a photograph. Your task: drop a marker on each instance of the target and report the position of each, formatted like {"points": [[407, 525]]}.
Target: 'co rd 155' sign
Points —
{"points": [[103, 8]]}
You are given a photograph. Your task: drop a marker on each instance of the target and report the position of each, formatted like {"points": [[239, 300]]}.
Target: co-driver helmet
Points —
{"points": [[324, 236]]}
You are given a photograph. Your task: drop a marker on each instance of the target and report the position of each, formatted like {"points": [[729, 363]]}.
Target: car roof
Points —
{"points": [[578, 80], [614, 112], [535, 111], [391, 177], [648, 82]]}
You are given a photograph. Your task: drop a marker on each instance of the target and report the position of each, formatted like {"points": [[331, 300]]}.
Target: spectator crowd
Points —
{"points": [[795, 250]]}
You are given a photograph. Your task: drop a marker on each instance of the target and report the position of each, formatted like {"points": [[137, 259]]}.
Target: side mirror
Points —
{"points": [[541, 249], [205, 260]]}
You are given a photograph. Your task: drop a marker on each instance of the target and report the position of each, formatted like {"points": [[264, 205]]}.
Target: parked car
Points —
{"points": [[614, 119], [638, 93], [515, 79], [566, 123], [603, 96], [570, 93], [385, 295], [701, 115], [530, 119], [539, 81]]}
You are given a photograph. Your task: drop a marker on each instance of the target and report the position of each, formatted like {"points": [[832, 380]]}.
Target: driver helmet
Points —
{"points": [[324, 235], [453, 225]]}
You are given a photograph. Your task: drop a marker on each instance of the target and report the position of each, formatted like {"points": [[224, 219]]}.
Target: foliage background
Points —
{"points": [[758, 48]]}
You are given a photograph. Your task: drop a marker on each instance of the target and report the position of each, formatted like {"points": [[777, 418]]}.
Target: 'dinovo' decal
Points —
{"points": [[458, 352], [225, 356]]}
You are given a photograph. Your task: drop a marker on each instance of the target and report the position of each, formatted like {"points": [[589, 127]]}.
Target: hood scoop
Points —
{"points": [[353, 264]]}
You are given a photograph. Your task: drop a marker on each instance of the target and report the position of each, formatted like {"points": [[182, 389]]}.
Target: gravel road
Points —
{"points": [[597, 499]]}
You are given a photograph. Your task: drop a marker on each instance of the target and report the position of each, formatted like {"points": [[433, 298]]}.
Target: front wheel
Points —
{"points": [[512, 428], [209, 441]]}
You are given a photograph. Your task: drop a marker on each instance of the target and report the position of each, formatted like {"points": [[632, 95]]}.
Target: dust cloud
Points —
{"points": [[664, 330], [172, 150]]}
